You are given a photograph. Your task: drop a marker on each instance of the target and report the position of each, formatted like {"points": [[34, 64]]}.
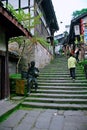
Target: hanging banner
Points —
{"points": [[85, 35], [82, 26], [84, 21], [77, 30]]}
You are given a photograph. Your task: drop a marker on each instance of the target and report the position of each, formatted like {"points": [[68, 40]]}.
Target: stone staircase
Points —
{"points": [[56, 89]]}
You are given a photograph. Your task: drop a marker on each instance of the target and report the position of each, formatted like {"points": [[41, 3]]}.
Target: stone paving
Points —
{"points": [[45, 119], [7, 105]]}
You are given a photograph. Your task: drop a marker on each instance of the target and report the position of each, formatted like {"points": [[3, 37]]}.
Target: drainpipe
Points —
{"points": [[52, 41]]}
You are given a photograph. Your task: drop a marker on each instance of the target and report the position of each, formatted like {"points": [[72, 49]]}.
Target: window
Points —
{"points": [[14, 3], [24, 4]]}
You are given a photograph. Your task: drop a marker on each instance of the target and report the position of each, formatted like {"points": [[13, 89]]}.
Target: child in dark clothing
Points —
{"points": [[33, 73]]}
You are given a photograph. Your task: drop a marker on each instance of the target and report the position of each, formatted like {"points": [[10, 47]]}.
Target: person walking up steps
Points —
{"points": [[72, 65]]}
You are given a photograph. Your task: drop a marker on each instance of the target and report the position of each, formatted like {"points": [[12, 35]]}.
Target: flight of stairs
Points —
{"points": [[56, 90]]}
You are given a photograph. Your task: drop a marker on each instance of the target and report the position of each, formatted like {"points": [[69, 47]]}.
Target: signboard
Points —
{"points": [[85, 35], [77, 30], [85, 29]]}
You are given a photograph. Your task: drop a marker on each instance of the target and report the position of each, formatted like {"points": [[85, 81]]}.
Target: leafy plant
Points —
{"points": [[26, 19], [22, 41], [56, 42], [43, 42], [83, 62], [79, 12], [29, 22]]}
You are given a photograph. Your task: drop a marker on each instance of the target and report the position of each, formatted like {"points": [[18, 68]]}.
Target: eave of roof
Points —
{"points": [[77, 20], [74, 22], [50, 14], [12, 27], [79, 17]]}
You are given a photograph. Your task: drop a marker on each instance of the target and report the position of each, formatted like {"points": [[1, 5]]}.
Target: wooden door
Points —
{"points": [[0, 78]]}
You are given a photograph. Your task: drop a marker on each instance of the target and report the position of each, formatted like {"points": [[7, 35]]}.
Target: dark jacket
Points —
{"points": [[33, 71]]}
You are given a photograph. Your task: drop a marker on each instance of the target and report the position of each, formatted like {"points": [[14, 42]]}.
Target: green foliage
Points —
{"points": [[65, 34], [61, 50], [83, 62], [79, 12], [19, 15], [26, 19], [15, 76], [56, 42], [43, 42], [29, 22], [20, 40]]}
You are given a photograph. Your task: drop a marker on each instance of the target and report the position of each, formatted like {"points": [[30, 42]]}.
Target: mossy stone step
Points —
{"points": [[61, 91], [54, 100], [60, 81], [63, 84], [60, 74], [60, 78], [62, 87], [56, 90], [55, 106], [48, 95]]}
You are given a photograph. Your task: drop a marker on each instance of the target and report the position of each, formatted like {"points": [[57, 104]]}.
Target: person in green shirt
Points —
{"points": [[72, 65]]}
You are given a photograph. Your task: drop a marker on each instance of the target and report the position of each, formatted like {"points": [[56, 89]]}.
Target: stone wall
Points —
{"points": [[39, 54], [42, 56], [35, 52]]}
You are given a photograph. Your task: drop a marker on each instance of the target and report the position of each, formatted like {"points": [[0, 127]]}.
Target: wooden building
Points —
{"points": [[9, 27], [78, 34], [78, 29], [48, 22]]}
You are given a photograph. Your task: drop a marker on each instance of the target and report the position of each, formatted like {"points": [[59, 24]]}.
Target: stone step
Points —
{"points": [[54, 100], [55, 106], [55, 66], [56, 90], [62, 87], [56, 73], [62, 84], [48, 95], [61, 75], [60, 78], [60, 81], [62, 91]]}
